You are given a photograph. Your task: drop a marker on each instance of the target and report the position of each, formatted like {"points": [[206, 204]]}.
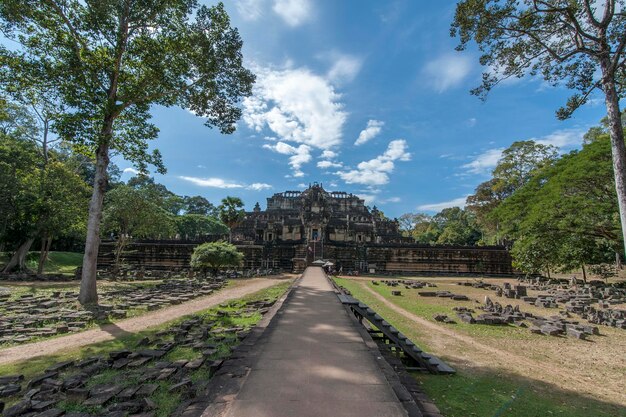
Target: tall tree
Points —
{"points": [[199, 205], [231, 213], [131, 213], [110, 60], [578, 43], [518, 164]]}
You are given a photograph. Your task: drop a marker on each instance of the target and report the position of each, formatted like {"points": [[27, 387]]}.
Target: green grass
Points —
{"points": [[482, 392], [57, 263], [166, 401], [427, 307]]}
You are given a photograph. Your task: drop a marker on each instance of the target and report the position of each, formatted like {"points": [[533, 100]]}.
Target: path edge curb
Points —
{"points": [[224, 386]]}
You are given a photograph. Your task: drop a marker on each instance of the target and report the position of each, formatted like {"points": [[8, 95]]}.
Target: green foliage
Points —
{"points": [[109, 61], [199, 205], [563, 41], [132, 212], [231, 212], [38, 199], [198, 225], [567, 215], [451, 226], [215, 255]]}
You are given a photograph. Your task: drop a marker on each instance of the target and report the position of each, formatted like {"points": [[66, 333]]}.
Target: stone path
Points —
{"points": [[135, 324], [315, 363]]}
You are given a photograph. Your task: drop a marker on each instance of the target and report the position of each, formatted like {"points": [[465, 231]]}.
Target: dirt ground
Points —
{"points": [[240, 289], [594, 367]]}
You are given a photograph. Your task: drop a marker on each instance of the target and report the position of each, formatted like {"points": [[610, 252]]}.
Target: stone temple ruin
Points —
{"points": [[299, 227]]}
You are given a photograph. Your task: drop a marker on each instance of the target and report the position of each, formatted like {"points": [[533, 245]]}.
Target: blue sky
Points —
{"points": [[364, 96]]}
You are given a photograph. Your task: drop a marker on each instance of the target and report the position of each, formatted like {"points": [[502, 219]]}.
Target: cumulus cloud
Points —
{"points": [[327, 154], [211, 182], [297, 106], [259, 186], [457, 202], [345, 67], [224, 184], [130, 170], [373, 128], [447, 71], [299, 155], [376, 171], [485, 162], [293, 12], [563, 139], [329, 164]]}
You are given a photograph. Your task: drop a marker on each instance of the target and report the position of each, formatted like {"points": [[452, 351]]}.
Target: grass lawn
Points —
{"points": [[58, 262], [166, 401], [481, 390]]}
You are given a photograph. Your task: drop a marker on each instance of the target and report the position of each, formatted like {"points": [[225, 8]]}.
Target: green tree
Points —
{"points": [[456, 226], [198, 225], [576, 43], [38, 201], [231, 213], [518, 164], [158, 193], [215, 255], [131, 213], [109, 61], [199, 205], [567, 215]]}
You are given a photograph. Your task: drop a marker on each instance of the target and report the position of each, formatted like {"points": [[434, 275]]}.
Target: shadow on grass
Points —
{"points": [[489, 392]]}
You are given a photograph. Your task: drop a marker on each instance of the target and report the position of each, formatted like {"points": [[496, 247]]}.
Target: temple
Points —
{"points": [[300, 227], [316, 215]]}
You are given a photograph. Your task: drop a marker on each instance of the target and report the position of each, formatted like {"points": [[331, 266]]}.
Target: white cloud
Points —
{"points": [[293, 12], [223, 184], [297, 106], [299, 156], [562, 139], [485, 162], [369, 198], [372, 130], [329, 154], [447, 71], [345, 67], [130, 171], [376, 171], [250, 9], [471, 122], [457, 202], [393, 200], [329, 164], [211, 182], [258, 186]]}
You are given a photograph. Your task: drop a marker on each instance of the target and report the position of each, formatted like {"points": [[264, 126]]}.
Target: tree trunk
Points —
{"points": [[584, 273], [46, 242], [119, 249], [18, 260], [88, 291], [618, 262], [618, 149]]}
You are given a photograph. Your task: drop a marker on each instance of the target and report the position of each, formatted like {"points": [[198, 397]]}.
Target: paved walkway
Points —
{"points": [[134, 324], [315, 363]]}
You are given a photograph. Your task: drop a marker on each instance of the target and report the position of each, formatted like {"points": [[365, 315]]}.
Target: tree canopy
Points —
{"points": [[107, 62], [215, 255]]}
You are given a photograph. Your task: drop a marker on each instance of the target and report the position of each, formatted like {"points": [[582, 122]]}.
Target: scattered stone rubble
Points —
{"points": [[145, 370], [496, 314], [576, 299], [29, 316]]}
